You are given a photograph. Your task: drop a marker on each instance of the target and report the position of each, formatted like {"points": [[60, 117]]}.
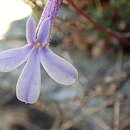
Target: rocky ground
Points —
{"points": [[99, 100]]}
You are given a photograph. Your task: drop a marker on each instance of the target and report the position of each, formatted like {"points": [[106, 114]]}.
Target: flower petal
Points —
{"points": [[29, 83], [30, 30], [58, 69], [12, 58], [44, 31]]}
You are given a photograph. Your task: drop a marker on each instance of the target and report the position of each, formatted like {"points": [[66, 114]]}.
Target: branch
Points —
{"points": [[98, 26]]}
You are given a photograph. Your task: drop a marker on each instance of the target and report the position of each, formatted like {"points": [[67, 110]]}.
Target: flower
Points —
{"points": [[35, 52]]}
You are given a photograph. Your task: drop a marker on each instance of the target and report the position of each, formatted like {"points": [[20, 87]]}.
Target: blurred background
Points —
{"points": [[100, 99]]}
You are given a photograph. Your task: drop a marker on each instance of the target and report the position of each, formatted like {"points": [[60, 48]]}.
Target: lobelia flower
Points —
{"points": [[35, 52]]}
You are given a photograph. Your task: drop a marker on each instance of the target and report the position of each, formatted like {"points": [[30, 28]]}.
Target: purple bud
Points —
{"points": [[50, 11]]}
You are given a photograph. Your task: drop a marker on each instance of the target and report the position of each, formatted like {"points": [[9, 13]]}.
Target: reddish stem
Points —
{"points": [[98, 26]]}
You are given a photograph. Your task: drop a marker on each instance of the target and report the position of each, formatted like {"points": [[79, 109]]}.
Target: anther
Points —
{"points": [[38, 45]]}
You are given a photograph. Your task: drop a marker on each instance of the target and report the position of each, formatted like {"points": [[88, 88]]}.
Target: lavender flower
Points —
{"points": [[35, 52]]}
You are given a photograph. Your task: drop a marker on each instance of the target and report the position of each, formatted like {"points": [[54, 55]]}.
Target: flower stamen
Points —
{"points": [[38, 45]]}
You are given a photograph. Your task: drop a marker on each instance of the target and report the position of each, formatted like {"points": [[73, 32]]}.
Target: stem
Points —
{"points": [[35, 4], [98, 26]]}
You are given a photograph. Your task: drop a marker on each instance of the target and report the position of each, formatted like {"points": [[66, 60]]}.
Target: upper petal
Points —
{"points": [[44, 31], [30, 30], [12, 58], [58, 69], [29, 83]]}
